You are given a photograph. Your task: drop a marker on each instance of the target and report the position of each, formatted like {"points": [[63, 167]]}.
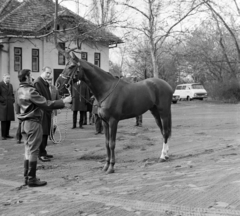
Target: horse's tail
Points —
{"points": [[167, 126], [170, 123]]}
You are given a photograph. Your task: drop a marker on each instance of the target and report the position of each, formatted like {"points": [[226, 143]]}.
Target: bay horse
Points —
{"points": [[118, 100]]}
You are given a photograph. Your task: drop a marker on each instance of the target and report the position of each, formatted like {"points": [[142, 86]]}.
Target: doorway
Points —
{"points": [[56, 73]]}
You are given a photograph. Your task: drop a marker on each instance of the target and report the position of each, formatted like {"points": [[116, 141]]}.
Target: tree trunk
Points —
{"points": [[154, 62]]}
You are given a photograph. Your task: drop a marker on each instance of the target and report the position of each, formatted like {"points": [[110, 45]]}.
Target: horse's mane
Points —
{"points": [[98, 68]]}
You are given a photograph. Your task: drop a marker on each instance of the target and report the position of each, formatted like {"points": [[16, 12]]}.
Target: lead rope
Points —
{"points": [[55, 127]]}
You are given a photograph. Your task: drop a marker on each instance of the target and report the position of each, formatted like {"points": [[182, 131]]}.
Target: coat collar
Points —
{"points": [[5, 85], [44, 82]]}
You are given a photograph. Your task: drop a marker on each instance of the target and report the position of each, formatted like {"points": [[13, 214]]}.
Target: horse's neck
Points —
{"points": [[98, 81]]}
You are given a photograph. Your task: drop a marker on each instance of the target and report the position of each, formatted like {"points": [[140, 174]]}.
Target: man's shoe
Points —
{"points": [[73, 127], [4, 138], [19, 142], [9, 137], [81, 127], [49, 156], [44, 159], [35, 182]]}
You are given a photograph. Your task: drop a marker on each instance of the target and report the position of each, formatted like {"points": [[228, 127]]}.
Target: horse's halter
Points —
{"points": [[70, 79]]}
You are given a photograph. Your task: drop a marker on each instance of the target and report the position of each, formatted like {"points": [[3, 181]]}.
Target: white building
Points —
{"points": [[34, 18]]}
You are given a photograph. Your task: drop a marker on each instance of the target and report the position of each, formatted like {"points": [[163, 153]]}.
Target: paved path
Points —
{"points": [[202, 176]]}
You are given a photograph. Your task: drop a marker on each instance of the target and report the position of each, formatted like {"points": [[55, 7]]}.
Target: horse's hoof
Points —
{"points": [[167, 157], [105, 169], [110, 171], [162, 160]]}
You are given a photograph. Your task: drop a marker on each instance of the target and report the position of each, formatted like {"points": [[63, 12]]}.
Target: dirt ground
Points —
{"points": [[202, 176]]}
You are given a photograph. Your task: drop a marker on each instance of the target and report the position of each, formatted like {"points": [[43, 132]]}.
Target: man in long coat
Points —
{"points": [[6, 106], [80, 95], [42, 87]]}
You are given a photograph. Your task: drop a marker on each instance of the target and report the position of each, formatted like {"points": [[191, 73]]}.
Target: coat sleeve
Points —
{"points": [[2, 99], [38, 87], [42, 103], [13, 98]]}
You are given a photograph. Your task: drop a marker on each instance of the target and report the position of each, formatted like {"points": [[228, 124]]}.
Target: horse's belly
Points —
{"points": [[131, 110]]}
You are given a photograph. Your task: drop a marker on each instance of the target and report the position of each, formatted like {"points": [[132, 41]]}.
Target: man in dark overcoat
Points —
{"points": [[80, 95], [42, 86], [6, 106]]}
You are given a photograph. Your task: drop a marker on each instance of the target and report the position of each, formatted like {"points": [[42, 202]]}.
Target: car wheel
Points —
{"points": [[174, 102], [188, 98]]}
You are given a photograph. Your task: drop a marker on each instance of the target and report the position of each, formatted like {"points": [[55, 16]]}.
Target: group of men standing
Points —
{"points": [[34, 105]]}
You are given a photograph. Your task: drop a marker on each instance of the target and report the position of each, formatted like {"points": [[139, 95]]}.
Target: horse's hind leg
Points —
{"points": [[106, 130], [164, 124]]}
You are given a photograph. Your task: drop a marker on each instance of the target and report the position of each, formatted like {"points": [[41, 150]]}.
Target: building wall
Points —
{"points": [[48, 56]]}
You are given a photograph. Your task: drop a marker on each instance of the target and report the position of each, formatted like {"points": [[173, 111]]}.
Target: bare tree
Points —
{"points": [[158, 26]]}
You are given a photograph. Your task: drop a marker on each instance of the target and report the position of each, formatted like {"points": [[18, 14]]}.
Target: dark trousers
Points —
{"points": [[82, 114], [19, 134], [43, 145], [139, 120], [98, 124], [5, 127], [32, 135]]}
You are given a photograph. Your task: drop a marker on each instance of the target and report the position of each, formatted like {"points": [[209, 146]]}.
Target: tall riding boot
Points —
{"points": [[33, 181], [25, 174]]}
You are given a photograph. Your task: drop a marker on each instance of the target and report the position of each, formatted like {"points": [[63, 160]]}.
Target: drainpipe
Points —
{"points": [[8, 51], [43, 41]]}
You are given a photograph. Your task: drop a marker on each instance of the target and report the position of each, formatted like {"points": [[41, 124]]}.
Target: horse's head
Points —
{"points": [[70, 75]]}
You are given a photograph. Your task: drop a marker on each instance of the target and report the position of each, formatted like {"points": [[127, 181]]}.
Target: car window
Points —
{"points": [[197, 86], [184, 87], [179, 87]]}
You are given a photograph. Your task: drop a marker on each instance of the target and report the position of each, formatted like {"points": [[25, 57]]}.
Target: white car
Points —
{"points": [[191, 91], [175, 98]]}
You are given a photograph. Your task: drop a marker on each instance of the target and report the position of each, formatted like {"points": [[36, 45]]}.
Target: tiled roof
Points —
{"points": [[7, 6], [32, 17]]}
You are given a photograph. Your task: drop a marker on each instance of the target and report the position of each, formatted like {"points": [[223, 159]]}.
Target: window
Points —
{"points": [[97, 59], [35, 60], [84, 56], [17, 59], [179, 87], [61, 57], [184, 87]]}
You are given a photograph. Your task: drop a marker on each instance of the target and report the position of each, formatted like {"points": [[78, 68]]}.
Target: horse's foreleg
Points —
{"points": [[112, 134], [106, 130]]}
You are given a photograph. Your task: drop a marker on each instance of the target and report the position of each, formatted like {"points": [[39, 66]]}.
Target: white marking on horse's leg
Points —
{"points": [[165, 149]]}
